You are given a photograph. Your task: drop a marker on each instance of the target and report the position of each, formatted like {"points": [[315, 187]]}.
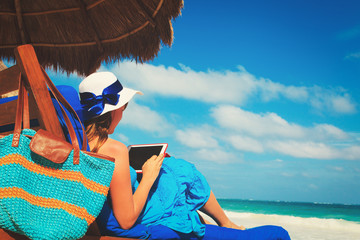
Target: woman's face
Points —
{"points": [[116, 117]]}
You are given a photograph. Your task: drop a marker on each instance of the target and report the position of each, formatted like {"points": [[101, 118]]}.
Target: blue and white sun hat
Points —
{"points": [[102, 92]]}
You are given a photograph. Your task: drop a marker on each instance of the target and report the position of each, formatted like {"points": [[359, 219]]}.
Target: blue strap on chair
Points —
{"points": [[8, 99], [10, 127]]}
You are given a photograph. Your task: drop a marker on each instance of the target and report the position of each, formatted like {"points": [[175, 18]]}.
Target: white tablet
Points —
{"points": [[138, 154]]}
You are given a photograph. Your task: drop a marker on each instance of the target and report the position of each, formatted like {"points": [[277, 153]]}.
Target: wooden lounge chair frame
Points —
{"points": [[41, 108]]}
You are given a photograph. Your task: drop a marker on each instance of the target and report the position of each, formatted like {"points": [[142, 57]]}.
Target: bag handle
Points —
{"points": [[20, 116], [62, 102], [26, 113], [60, 99], [22, 113], [72, 133]]}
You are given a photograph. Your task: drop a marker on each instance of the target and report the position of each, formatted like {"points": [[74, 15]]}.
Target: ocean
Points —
{"points": [[303, 221]]}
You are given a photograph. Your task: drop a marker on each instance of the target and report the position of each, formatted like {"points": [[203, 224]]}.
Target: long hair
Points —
{"points": [[98, 128]]}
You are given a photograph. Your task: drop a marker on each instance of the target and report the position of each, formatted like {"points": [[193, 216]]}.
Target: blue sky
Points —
{"points": [[262, 96]]}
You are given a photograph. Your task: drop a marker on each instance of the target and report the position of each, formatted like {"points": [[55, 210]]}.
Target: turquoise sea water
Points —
{"points": [[304, 210]]}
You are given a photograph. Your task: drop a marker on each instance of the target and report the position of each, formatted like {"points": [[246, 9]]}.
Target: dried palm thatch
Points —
{"points": [[77, 35]]}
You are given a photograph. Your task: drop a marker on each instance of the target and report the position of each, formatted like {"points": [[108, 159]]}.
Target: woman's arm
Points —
{"points": [[126, 206]]}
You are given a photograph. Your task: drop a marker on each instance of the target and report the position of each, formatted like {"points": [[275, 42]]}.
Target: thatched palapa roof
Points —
{"points": [[77, 35]]}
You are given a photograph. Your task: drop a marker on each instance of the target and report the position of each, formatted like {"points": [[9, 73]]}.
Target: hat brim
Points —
{"points": [[126, 94]]}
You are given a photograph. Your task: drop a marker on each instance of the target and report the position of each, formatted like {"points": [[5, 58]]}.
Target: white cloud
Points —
{"points": [[337, 100], [245, 143], [145, 119], [234, 87], [196, 138], [204, 141], [268, 124], [216, 155], [351, 153], [342, 104], [314, 150], [263, 133], [304, 149], [211, 86], [272, 90], [327, 131]]}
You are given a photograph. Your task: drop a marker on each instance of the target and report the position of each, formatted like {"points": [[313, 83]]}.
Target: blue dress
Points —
{"points": [[179, 191]]}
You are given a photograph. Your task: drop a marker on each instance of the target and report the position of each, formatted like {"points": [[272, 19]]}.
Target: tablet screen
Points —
{"points": [[138, 154]]}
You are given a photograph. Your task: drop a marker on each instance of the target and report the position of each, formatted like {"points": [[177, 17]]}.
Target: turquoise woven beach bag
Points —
{"points": [[49, 188]]}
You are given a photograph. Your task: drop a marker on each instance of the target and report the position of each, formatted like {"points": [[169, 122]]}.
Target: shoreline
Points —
{"points": [[299, 228], [290, 202], [296, 209]]}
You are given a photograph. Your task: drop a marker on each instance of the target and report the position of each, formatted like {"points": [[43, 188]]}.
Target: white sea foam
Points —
{"points": [[301, 228]]}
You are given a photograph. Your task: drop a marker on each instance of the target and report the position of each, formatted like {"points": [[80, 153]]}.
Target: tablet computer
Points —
{"points": [[140, 153]]}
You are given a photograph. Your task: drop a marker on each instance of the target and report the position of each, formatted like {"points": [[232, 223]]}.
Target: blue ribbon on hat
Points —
{"points": [[93, 105]]}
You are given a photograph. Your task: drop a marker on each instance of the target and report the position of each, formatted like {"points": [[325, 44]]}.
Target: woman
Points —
{"points": [[171, 190]]}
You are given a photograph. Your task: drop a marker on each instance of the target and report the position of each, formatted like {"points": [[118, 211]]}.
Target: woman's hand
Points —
{"points": [[151, 167]]}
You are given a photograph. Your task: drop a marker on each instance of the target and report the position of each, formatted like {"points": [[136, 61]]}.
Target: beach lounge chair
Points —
{"points": [[42, 113]]}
